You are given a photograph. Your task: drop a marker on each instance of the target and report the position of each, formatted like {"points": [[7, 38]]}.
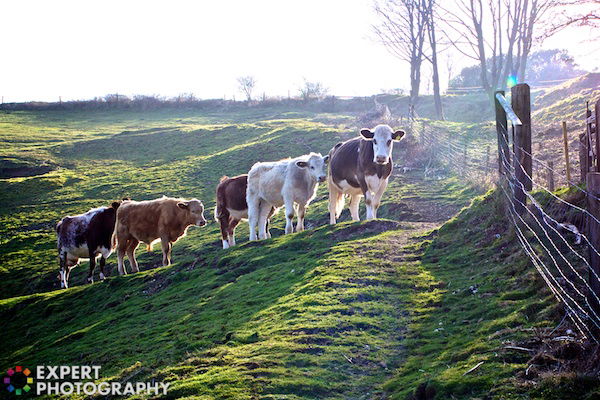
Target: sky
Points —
{"points": [[82, 49]]}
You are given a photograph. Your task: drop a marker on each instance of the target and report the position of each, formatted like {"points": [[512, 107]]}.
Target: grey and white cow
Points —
{"points": [[290, 182], [361, 167]]}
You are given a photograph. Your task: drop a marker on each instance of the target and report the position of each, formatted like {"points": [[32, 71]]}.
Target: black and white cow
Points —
{"points": [[86, 236], [361, 167]]}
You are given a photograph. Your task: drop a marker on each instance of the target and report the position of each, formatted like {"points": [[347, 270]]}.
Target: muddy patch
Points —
{"points": [[372, 227]]}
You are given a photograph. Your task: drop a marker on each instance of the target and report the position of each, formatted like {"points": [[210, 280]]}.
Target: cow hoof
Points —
{"points": [[102, 277], [225, 244]]}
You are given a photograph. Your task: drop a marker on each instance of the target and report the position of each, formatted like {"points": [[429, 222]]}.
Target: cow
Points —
{"points": [[231, 207], [166, 219], [288, 182], [85, 236], [361, 167]]}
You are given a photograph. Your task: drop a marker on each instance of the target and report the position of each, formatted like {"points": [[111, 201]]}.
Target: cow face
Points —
{"points": [[195, 208], [316, 165], [382, 137]]}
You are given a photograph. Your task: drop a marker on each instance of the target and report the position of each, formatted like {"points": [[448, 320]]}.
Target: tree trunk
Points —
{"points": [[437, 98]]}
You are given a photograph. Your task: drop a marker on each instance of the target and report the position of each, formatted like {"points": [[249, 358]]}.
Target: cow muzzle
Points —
{"points": [[322, 178], [381, 159], [201, 222]]}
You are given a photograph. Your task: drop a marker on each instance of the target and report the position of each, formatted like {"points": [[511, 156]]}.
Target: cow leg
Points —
{"points": [[268, 223], [263, 217], [231, 231], [62, 261], [133, 244], [354, 203], [369, 204], [336, 202], [225, 222], [377, 197], [90, 277], [167, 246], [102, 264], [121, 249], [68, 274], [289, 215], [301, 214], [253, 214]]}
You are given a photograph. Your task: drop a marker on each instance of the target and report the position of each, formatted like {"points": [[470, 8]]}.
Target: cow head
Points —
{"points": [[195, 208], [316, 165], [382, 137]]}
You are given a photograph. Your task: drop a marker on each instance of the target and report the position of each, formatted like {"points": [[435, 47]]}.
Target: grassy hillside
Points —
{"points": [[355, 311]]}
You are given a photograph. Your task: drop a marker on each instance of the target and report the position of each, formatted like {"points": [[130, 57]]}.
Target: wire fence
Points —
{"points": [[550, 228]]}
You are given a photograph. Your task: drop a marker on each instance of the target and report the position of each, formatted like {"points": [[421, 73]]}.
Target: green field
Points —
{"points": [[355, 311]]}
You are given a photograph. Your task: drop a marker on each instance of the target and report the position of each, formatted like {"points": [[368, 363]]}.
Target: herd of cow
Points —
{"points": [[357, 167]]}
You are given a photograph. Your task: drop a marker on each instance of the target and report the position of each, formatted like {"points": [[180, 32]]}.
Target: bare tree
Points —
{"points": [[574, 13], [498, 34], [430, 17], [310, 90], [246, 85], [402, 29]]}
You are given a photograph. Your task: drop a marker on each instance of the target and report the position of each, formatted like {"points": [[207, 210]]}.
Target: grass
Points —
{"points": [[355, 311]]}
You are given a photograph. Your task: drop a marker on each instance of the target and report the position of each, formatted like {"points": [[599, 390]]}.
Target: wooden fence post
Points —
{"points": [[502, 130], [566, 146], [521, 105], [550, 175], [597, 111], [593, 231], [584, 149]]}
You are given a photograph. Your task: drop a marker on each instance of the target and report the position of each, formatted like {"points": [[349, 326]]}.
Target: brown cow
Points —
{"points": [[231, 206], [166, 219]]}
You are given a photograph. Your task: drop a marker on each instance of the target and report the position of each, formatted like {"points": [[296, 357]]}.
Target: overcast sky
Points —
{"points": [[81, 49]]}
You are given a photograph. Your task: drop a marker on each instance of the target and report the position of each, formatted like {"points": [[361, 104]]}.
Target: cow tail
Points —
{"points": [[220, 205], [113, 239]]}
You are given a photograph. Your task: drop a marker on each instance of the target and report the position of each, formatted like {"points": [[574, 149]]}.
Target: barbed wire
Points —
{"points": [[538, 227]]}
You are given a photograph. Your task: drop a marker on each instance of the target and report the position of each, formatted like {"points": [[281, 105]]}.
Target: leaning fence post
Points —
{"points": [[550, 176], [566, 146], [521, 105], [502, 130], [593, 231]]}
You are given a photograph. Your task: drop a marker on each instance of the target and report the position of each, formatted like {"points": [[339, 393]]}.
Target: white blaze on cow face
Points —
{"points": [[316, 165], [382, 137], [196, 210]]}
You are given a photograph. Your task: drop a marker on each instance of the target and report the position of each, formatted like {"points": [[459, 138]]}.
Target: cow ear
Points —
{"points": [[301, 164], [183, 204], [115, 204], [367, 134], [398, 135], [326, 159]]}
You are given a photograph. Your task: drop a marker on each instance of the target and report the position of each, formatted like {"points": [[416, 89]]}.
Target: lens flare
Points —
{"points": [[511, 81]]}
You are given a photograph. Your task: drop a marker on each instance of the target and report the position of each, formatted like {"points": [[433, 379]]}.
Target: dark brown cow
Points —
{"points": [[361, 167], [165, 219], [85, 236], [231, 206]]}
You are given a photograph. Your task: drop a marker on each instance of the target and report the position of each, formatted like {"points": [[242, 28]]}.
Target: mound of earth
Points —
{"points": [[11, 168]]}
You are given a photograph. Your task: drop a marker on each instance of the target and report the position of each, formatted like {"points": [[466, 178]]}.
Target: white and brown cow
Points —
{"points": [[232, 207], [85, 236], [361, 167], [165, 219], [290, 182]]}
